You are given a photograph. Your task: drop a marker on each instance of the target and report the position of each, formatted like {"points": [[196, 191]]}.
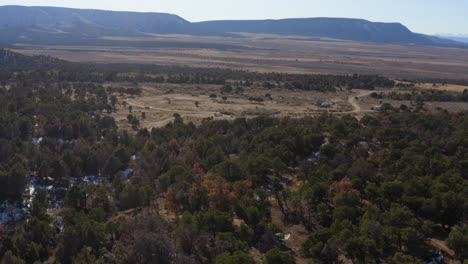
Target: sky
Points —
{"points": [[422, 16]]}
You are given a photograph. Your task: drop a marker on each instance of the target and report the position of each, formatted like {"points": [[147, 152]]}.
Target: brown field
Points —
{"points": [[266, 53], [272, 53], [160, 101], [446, 87], [368, 102]]}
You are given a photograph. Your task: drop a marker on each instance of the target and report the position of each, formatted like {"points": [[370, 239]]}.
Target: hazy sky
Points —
{"points": [[424, 16]]}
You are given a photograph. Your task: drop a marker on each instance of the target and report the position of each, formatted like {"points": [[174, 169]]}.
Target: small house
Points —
{"points": [[377, 108], [326, 105]]}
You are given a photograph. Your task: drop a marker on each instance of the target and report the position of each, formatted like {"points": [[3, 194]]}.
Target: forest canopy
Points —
{"points": [[382, 189]]}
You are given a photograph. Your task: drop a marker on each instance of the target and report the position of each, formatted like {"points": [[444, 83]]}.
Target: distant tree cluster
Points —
{"points": [[435, 81], [326, 83], [425, 96], [123, 90], [96, 73]]}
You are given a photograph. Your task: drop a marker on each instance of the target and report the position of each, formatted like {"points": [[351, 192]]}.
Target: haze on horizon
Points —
{"points": [[422, 16]]}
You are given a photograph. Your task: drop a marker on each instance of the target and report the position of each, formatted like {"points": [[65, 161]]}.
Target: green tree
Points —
{"points": [[458, 241], [133, 196], [235, 258], [16, 180], [400, 258], [59, 170], [276, 256], [231, 171], [317, 246], [76, 197], [215, 221], [9, 258], [84, 257], [39, 204]]}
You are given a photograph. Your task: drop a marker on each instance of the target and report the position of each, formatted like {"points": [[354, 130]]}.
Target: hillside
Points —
{"points": [[459, 38], [8, 58], [66, 26], [53, 25], [340, 28]]}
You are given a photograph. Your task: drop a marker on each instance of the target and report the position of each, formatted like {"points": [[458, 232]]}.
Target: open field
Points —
{"points": [[445, 87], [368, 102], [272, 53], [160, 101], [266, 53]]}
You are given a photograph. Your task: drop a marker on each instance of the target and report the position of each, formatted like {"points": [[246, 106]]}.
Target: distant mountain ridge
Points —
{"points": [[340, 28], [459, 38], [65, 18], [54, 24], [67, 26]]}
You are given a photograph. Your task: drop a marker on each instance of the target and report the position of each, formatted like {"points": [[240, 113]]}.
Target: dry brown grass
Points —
{"points": [[446, 87], [267, 53], [368, 102], [160, 102]]}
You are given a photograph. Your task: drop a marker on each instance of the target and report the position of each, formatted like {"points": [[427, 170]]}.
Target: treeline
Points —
{"points": [[424, 96], [123, 90], [441, 81], [10, 58], [331, 82], [60, 71]]}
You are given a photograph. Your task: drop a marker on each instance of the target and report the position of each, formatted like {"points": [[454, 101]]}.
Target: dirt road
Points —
{"points": [[353, 100], [159, 109], [159, 113]]}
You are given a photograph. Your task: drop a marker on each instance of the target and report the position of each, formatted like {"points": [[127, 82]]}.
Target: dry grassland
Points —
{"points": [[267, 53], [160, 102]]}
